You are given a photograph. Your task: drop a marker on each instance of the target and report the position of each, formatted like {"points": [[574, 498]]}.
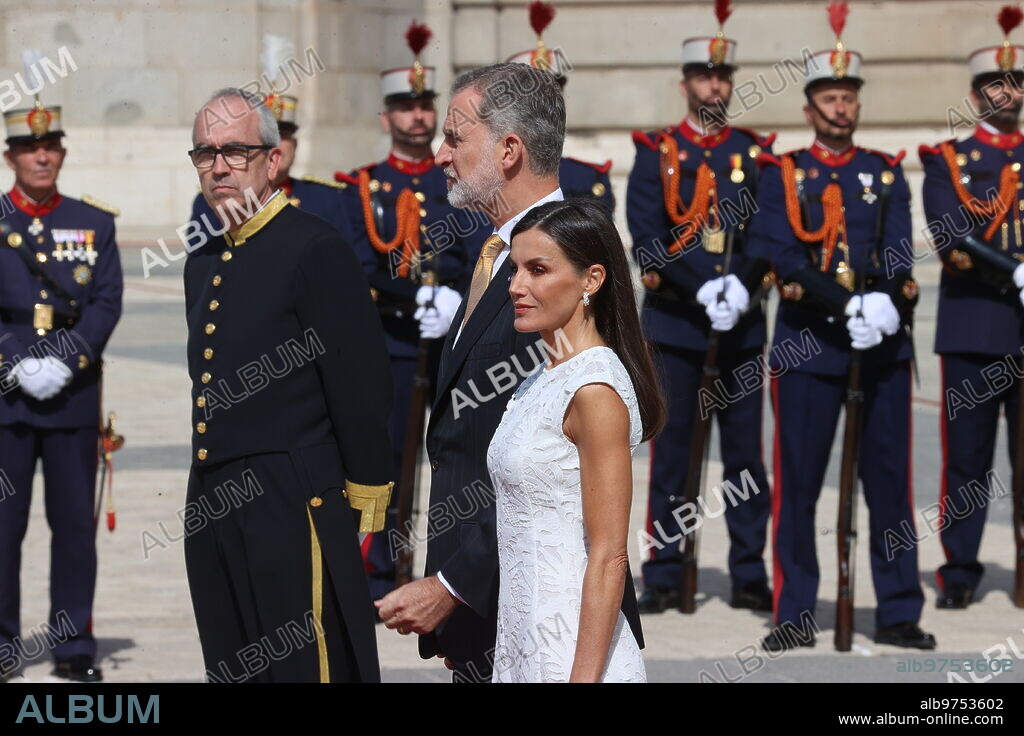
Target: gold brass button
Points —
{"points": [[316, 502], [216, 280], [200, 401], [415, 180], [225, 256], [210, 327], [201, 428], [213, 305], [421, 196], [344, 493], [205, 378], [83, 362], [208, 353], [44, 295], [41, 257], [201, 454], [423, 212]]}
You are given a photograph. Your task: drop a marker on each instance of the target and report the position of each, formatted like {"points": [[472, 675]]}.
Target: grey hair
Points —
{"points": [[525, 101], [268, 132]]}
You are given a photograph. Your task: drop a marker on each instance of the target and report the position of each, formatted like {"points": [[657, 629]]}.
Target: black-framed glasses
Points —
{"points": [[235, 155]]}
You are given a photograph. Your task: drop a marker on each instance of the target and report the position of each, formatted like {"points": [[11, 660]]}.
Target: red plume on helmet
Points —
{"points": [[722, 11], [837, 12], [1010, 17], [418, 36], [541, 15]]}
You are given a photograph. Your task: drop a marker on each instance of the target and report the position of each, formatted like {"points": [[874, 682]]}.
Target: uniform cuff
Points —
{"points": [[372, 501]]}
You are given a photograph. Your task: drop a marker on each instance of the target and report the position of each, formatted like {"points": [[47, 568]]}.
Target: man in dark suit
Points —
{"points": [[291, 394], [502, 145]]}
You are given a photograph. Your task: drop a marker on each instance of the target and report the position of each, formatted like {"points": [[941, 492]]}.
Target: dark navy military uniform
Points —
{"points": [[75, 244], [318, 197], [678, 327], [811, 352], [979, 323], [583, 179], [290, 397], [449, 241]]}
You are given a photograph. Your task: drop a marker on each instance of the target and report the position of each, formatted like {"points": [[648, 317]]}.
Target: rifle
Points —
{"points": [[847, 522], [1018, 501], [408, 483], [699, 448]]}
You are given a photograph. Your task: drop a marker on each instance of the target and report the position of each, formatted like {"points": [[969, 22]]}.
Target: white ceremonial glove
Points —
{"points": [[736, 294], [708, 293], [42, 379], [881, 313], [723, 317], [432, 325], [1018, 276], [435, 321], [863, 336]]}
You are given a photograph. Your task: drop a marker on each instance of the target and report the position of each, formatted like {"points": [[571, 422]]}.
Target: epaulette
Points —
{"points": [[327, 182], [640, 137], [762, 140], [346, 179], [101, 205], [891, 161], [763, 159], [600, 168], [926, 150]]}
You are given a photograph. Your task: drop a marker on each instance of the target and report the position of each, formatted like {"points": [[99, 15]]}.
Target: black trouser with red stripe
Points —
{"points": [[807, 411], [69, 472], [975, 388], [739, 425]]}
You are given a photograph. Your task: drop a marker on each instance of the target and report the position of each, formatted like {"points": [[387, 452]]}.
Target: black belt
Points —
{"points": [[28, 316]]}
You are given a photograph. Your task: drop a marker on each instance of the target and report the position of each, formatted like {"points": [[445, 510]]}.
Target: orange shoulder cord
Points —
{"points": [[996, 208], [692, 217], [831, 204], [407, 224]]}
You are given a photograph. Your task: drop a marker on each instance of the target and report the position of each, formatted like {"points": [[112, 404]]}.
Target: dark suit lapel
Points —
{"points": [[493, 299]]}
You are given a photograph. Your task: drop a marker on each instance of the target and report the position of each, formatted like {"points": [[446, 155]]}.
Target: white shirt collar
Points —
{"points": [[505, 231]]}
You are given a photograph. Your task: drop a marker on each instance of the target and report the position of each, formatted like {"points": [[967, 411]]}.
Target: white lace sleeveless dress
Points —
{"points": [[542, 545]]}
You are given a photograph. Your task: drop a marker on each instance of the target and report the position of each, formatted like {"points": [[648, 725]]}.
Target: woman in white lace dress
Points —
{"points": [[561, 457]]}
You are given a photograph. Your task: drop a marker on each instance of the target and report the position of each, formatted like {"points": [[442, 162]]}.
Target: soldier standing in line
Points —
{"points": [[690, 184], [60, 298], [979, 322], [826, 216]]}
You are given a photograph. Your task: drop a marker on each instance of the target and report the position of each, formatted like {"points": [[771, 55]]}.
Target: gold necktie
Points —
{"points": [[482, 273]]}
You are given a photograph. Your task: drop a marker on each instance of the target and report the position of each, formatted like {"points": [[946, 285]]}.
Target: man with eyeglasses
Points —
{"points": [[320, 197], [60, 298], [290, 403]]}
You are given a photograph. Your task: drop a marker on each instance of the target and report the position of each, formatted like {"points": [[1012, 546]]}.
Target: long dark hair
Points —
{"points": [[587, 236]]}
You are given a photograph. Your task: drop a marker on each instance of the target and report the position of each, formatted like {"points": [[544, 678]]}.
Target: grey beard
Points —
{"points": [[465, 195]]}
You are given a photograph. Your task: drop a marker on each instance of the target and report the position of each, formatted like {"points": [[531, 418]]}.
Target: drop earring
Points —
{"points": [[586, 298]]}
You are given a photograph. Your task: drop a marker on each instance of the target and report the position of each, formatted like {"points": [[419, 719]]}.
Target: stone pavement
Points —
{"points": [[143, 617]]}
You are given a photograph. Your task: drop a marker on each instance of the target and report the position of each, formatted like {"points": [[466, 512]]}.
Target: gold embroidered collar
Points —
{"points": [[256, 223]]}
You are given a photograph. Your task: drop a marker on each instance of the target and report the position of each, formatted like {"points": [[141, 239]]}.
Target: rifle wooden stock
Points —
{"points": [[1018, 502], [846, 526], [408, 490], [694, 472]]}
